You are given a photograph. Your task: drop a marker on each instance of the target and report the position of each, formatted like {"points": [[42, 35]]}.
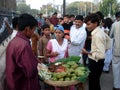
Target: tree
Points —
{"points": [[109, 7], [23, 8], [80, 8], [48, 9]]}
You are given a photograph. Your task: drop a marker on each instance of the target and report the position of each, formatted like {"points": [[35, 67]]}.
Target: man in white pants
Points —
{"points": [[115, 34]]}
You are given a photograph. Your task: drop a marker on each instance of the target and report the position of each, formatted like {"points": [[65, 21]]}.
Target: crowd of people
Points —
{"points": [[47, 39]]}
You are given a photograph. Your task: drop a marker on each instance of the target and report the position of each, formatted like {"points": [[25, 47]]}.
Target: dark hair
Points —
{"points": [[26, 20], [45, 26], [79, 17], [117, 14], [101, 16], [15, 22], [107, 23], [66, 16], [55, 13], [72, 15], [93, 18], [47, 18], [61, 18]]}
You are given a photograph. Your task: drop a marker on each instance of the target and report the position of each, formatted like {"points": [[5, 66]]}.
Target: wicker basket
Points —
{"points": [[61, 83]]}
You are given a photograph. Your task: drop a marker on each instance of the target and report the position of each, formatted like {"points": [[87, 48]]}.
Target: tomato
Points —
{"points": [[60, 69]]}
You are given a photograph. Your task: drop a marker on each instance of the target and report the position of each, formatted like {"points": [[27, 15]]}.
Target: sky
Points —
{"points": [[36, 4]]}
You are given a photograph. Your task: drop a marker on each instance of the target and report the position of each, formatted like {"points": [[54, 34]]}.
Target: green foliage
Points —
{"points": [[23, 8], [71, 58], [79, 8], [48, 9], [109, 7]]}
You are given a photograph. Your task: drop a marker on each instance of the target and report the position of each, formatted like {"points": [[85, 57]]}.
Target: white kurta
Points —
{"points": [[13, 34], [77, 37]]}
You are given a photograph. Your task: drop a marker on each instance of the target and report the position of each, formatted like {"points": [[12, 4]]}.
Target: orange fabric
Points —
{"points": [[67, 36], [66, 31]]}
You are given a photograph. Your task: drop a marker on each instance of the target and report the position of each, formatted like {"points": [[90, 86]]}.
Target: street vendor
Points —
{"points": [[58, 48]]}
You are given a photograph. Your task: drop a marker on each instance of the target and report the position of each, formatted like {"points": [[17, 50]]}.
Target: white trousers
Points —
{"points": [[108, 57], [116, 71]]}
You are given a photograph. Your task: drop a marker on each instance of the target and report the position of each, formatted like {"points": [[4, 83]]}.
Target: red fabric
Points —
{"points": [[21, 65], [54, 20]]}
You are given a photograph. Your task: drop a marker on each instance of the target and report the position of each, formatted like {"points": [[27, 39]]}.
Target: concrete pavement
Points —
{"points": [[106, 81]]}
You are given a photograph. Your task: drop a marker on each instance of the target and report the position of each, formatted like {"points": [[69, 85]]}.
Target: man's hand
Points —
{"points": [[84, 51]]}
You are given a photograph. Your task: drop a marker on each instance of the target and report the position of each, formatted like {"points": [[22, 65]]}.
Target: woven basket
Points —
{"points": [[62, 83]]}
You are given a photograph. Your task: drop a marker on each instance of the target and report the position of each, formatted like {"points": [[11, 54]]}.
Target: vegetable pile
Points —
{"points": [[68, 69]]}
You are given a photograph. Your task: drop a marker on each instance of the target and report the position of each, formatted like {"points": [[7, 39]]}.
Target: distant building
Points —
{"points": [[9, 5], [20, 1]]}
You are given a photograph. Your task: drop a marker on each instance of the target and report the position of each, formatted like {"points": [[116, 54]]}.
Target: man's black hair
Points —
{"points": [[93, 18], [72, 15], [55, 13], [117, 14], [26, 20], [66, 16], [15, 22], [45, 26], [101, 16], [79, 17]]}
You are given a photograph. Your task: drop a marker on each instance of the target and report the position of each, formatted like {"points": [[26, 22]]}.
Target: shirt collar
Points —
{"points": [[95, 30], [19, 34]]}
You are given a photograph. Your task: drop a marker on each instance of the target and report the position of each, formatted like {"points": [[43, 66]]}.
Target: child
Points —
{"points": [[47, 21], [58, 48], [42, 43]]}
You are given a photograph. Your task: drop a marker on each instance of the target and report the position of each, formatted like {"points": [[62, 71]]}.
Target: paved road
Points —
{"points": [[106, 81]]}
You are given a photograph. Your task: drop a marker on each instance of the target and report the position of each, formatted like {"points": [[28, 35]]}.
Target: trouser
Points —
{"points": [[107, 61], [108, 57], [116, 71], [95, 73]]}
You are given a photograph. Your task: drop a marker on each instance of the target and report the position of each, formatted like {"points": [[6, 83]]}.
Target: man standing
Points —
{"points": [[100, 43], [115, 34], [77, 37], [54, 19], [21, 64]]}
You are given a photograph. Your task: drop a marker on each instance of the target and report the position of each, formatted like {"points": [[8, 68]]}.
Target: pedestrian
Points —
{"points": [[47, 21], [100, 43], [54, 19], [42, 43], [67, 25], [115, 34], [13, 31], [107, 23], [78, 36], [87, 46], [34, 40], [21, 64]]}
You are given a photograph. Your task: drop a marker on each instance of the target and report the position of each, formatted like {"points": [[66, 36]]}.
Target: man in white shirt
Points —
{"points": [[15, 27], [13, 31], [115, 34], [77, 37]]}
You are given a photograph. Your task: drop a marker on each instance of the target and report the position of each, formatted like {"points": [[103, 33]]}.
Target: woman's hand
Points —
{"points": [[54, 54]]}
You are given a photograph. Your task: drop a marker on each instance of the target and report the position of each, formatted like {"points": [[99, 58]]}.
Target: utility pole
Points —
{"points": [[64, 7]]}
